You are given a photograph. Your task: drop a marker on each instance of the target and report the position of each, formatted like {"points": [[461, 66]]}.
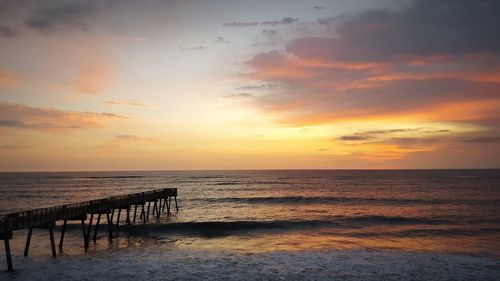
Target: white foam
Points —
{"points": [[177, 264]]}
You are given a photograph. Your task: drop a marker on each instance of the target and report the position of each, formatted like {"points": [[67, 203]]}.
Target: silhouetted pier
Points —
{"points": [[152, 202]]}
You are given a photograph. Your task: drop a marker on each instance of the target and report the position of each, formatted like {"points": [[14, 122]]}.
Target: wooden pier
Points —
{"points": [[160, 200]]}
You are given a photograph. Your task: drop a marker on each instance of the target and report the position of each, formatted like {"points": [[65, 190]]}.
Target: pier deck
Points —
{"points": [[47, 217]]}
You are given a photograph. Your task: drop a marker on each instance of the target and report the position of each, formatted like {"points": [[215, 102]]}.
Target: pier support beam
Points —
{"points": [[28, 241], [8, 254], [110, 231], [82, 221], [127, 220], [96, 227], [52, 243], [118, 217], [63, 232], [135, 212], [87, 236]]}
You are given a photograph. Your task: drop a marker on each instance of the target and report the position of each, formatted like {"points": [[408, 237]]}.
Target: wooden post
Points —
{"points": [[110, 231], [8, 254], [149, 208], [176, 207], [96, 226], [128, 216], [169, 204], [154, 208], [63, 231], [112, 214], [28, 241], [143, 212], [118, 218], [52, 244], [84, 233], [165, 202], [135, 212], [87, 237]]}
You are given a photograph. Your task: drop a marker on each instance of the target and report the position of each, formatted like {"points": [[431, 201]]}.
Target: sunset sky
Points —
{"points": [[141, 85]]}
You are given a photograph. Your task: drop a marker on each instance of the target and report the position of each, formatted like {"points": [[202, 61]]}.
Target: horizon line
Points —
{"points": [[249, 170]]}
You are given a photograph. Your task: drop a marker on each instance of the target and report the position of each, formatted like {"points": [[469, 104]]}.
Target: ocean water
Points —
{"points": [[266, 225]]}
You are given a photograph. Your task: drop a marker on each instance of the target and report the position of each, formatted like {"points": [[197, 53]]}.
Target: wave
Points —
{"points": [[343, 200], [112, 177], [228, 227]]}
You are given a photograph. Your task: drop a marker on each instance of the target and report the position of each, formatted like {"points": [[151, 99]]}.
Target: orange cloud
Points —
{"points": [[137, 103], [20, 116], [8, 79], [94, 72]]}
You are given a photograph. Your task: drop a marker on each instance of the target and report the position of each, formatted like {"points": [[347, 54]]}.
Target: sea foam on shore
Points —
{"points": [[152, 264]]}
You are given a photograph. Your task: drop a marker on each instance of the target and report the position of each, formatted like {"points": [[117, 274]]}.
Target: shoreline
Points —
{"points": [[176, 264]]}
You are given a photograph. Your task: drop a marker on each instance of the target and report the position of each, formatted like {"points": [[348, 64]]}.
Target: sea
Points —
{"points": [[271, 225]]}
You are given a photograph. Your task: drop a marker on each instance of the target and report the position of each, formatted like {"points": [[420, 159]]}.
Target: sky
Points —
{"points": [[186, 84]]}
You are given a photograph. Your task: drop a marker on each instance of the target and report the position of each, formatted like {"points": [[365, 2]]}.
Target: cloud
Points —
{"points": [[7, 32], [483, 139], [240, 96], [258, 87], [127, 138], [430, 61], [136, 103], [194, 48], [388, 134], [221, 40], [20, 116], [94, 72], [319, 7], [50, 18], [284, 21], [11, 146], [427, 27]]}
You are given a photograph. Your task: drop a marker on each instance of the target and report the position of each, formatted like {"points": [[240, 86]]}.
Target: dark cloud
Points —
{"points": [[284, 21], [412, 141], [270, 32], [355, 138], [12, 123], [240, 96], [372, 66], [194, 48], [137, 103], [427, 27], [7, 32], [125, 137], [12, 146], [319, 7], [63, 14], [485, 139], [48, 16], [263, 86], [8, 123], [386, 135], [221, 40]]}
